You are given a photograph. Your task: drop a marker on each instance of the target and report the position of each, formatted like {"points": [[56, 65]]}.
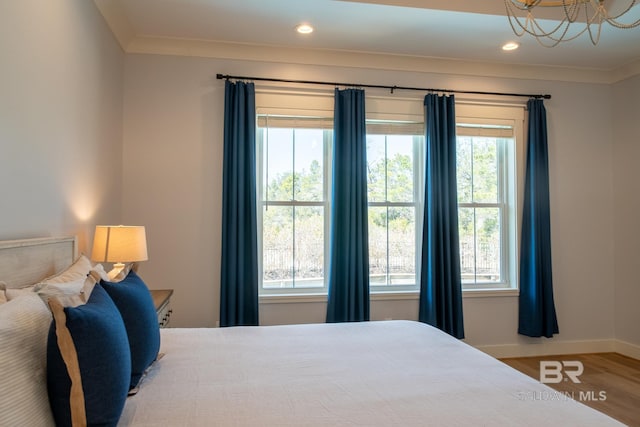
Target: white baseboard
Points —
{"points": [[628, 349], [549, 348]]}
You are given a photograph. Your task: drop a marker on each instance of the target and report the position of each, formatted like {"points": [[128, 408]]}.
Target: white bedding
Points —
{"points": [[395, 373]]}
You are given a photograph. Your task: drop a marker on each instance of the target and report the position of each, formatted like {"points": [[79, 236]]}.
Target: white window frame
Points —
{"points": [[263, 201], [512, 156], [293, 103], [320, 104], [416, 204], [406, 112]]}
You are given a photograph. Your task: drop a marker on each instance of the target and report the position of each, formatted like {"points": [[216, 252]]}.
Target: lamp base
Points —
{"points": [[117, 269]]}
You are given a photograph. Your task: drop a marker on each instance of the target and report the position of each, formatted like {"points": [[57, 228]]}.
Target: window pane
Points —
{"points": [[402, 244], [376, 184], [292, 241], [485, 170], [378, 246], [392, 240], [480, 250], [277, 247], [278, 172], [392, 246], [309, 164], [400, 168], [487, 245], [309, 249], [464, 166], [466, 227]]}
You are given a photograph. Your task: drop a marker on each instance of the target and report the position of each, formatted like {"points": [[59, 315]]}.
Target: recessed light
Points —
{"points": [[510, 46], [304, 29]]}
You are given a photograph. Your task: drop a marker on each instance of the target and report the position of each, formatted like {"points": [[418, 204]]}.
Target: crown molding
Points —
{"points": [[355, 59], [625, 72], [116, 18]]}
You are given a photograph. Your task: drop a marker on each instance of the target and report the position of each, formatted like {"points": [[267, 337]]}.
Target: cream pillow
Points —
{"points": [[72, 279], [74, 293], [99, 273], [17, 292], [24, 327], [78, 270], [73, 284]]}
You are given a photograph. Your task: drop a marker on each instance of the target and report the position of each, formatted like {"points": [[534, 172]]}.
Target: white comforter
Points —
{"points": [[395, 373]]}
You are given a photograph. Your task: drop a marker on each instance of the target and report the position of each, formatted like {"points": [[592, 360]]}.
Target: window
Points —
{"points": [[293, 206], [482, 207], [294, 171], [487, 173], [394, 159]]}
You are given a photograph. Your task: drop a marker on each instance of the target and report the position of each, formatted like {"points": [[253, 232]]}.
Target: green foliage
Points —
{"points": [[388, 181], [399, 176], [477, 174], [397, 188], [302, 186], [477, 170]]}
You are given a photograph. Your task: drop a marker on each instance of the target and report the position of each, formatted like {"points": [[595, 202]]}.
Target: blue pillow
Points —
{"points": [[133, 299], [88, 362]]}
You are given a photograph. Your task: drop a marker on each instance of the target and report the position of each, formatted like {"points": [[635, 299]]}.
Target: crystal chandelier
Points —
{"points": [[585, 15]]}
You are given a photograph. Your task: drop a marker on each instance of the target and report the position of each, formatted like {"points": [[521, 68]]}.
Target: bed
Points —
{"points": [[387, 373]]}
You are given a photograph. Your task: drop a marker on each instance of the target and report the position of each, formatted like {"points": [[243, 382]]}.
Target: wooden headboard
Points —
{"points": [[28, 261]]}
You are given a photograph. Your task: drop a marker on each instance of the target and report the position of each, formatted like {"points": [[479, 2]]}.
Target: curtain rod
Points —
{"points": [[391, 88]]}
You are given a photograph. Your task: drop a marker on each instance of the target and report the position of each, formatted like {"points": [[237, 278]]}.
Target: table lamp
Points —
{"points": [[119, 244]]}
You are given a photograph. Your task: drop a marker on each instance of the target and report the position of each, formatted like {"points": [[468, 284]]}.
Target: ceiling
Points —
{"points": [[409, 33]]}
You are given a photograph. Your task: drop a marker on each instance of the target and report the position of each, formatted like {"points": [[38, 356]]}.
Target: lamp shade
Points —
{"points": [[119, 243]]}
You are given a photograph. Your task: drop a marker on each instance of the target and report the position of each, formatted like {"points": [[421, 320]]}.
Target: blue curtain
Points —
{"points": [[440, 280], [349, 245], [537, 315], [239, 269]]}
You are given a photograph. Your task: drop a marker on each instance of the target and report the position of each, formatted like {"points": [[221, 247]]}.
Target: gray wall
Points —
{"points": [[626, 149], [173, 154], [60, 120]]}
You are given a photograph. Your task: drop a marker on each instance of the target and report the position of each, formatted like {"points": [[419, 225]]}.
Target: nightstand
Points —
{"points": [[162, 301]]}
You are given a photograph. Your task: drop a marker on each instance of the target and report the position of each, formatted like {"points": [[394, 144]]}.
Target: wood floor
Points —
{"points": [[610, 382]]}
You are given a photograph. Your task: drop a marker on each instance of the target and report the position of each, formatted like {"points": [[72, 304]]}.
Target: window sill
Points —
{"points": [[381, 296], [313, 298], [292, 298], [485, 293]]}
